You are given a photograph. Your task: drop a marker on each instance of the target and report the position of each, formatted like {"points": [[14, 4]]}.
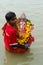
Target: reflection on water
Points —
{"points": [[18, 59]]}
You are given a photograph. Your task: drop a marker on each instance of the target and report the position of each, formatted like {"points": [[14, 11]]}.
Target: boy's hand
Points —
{"points": [[32, 27]]}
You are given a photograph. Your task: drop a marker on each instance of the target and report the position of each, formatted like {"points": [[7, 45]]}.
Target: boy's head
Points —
{"points": [[11, 17]]}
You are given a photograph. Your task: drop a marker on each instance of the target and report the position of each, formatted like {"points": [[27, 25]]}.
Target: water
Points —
{"points": [[34, 11]]}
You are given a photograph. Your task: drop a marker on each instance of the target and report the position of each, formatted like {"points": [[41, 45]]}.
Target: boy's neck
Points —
{"points": [[12, 26], [8, 24]]}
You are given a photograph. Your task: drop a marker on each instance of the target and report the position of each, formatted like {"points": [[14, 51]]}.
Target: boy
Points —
{"points": [[9, 31]]}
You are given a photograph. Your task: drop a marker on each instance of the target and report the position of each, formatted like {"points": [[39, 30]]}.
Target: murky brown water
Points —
{"points": [[34, 11]]}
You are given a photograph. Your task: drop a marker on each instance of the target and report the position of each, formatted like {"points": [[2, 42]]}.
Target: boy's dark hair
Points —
{"points": [[10, 15]]}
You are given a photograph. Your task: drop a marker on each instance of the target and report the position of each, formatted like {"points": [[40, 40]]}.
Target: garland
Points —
{"points": [[23, 39]]}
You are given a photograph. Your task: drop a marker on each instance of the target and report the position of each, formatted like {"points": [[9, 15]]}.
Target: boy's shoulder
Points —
{"points": [[10, 29]]}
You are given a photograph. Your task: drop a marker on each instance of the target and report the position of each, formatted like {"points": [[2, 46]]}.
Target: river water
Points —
{"points": [[34, 12]]}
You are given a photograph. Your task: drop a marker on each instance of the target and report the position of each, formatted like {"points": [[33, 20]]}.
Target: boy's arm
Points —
{"points": [[3, 29]]}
